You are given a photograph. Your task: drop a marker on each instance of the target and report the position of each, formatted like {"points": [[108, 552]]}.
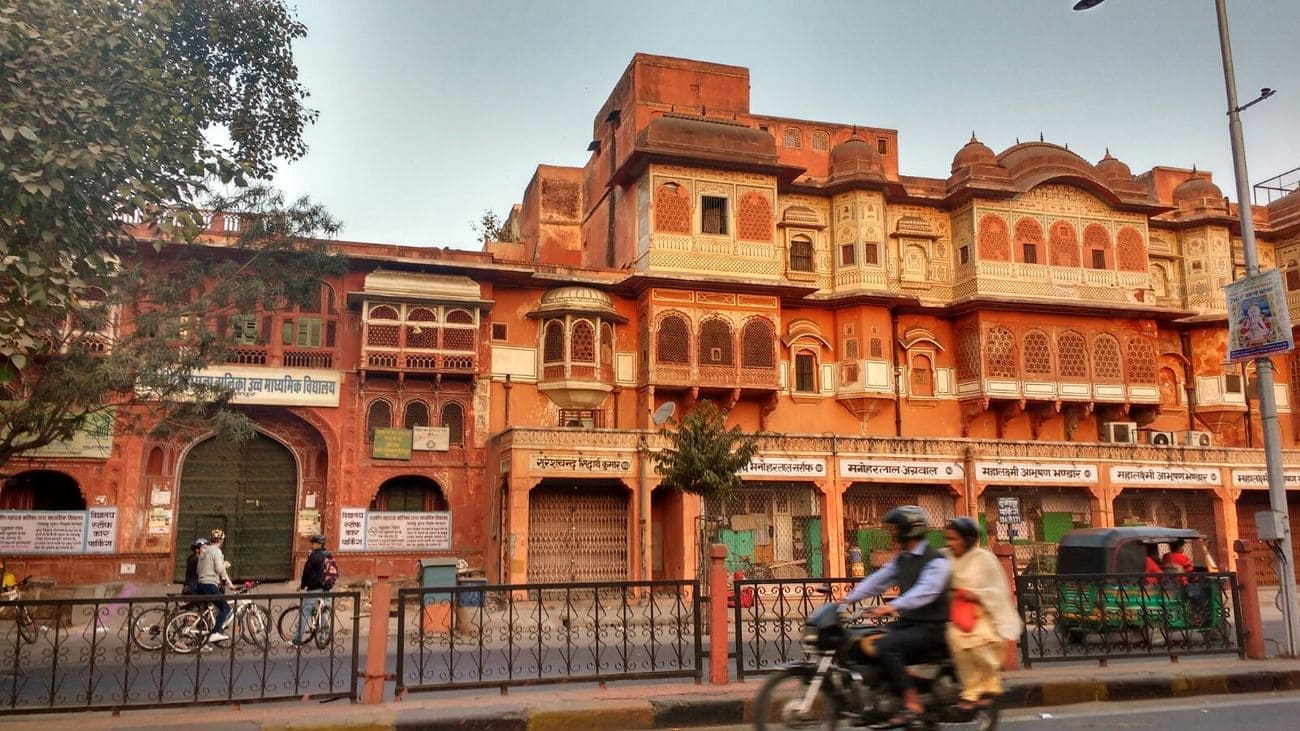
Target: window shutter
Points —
{"points": [[288, 333]]}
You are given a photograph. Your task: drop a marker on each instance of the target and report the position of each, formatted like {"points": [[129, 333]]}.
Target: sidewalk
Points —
{"points": [[631, 705]]}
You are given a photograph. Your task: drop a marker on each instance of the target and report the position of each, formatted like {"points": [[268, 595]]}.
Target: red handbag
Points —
{"points": [[961, 612]]}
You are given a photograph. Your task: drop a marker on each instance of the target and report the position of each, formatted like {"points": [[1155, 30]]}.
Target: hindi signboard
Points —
{"points": [[1009, 510], [93, 438], [262, 386], [1257, 477], [431, 438], [352, 529], [571, 464], [364, 530], [1123, 474], [784, 467], [1258, 321], [900, 470], [392, 444], [1038, 473], [58, 532]]}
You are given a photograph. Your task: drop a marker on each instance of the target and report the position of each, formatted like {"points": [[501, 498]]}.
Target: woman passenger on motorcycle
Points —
{"points": [[983, 615]]}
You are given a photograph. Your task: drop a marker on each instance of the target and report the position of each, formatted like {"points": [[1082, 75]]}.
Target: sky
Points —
{"points": [[433, 111]]}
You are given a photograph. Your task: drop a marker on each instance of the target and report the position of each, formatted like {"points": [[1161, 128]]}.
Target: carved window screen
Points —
{"points": [[801, 255], [553, 347], [378, 416], [1072, 355], [716, 344], [968, 354], [994, 240], [1038, 354], [1000, 353], [1141, 361], [672, 209], [754, 217], [453, 417], [1106, 362], [1064, 245], [582, 343], [758, 344], [417, 414], [672, 341], [1130, 252]]}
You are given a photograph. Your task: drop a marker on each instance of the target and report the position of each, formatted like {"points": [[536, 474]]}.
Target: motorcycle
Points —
{"points": [[838, 686]]}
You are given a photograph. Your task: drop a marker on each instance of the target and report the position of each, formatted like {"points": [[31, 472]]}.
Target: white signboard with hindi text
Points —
{"points": [[365, 530], [784, 467], [1257, 478], [431, 439], [1258, 321], [1037, 473], [895, 470], [61, 532], [259, 386], [1123, 474]]}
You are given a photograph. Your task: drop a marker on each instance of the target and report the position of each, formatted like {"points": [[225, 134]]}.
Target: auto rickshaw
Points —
{"points": [[1103, 587]]}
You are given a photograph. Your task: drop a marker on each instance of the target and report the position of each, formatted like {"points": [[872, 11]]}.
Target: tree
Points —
{"points": [[122, 112], [703, 456], [490, 227]]}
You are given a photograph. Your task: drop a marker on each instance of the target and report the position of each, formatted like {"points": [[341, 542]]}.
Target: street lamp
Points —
{"points": [[1263, 366]]}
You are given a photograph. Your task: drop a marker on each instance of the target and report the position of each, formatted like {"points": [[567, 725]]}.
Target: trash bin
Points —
{"points": [[472, 598], [437, 573]]}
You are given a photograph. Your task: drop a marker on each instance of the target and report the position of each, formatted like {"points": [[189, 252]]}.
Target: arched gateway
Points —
{"points": [[249, 490]]}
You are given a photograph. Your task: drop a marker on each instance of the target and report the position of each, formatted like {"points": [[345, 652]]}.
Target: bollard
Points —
{"points": [[718, 635], [1252, 624], [381, 598], [1006, 555]]}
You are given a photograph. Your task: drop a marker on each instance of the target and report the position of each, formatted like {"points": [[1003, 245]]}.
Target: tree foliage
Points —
{"points": [[704, 457], [491, 227], [155, 112]]}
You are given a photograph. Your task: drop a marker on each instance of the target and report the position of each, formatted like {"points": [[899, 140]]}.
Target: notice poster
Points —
{"points": [[1258, 321], [72, 532], [392, 444], [101, 530], [352, 529], [408, 531]]}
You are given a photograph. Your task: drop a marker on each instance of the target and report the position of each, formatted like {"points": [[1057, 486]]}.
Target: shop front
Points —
{"points": [[1170, 497], [772, 526], [877, 485], [1253, 483], [1053, 499]]}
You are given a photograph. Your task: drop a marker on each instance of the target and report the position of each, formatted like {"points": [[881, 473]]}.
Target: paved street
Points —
{"points": [[1264, 711]]}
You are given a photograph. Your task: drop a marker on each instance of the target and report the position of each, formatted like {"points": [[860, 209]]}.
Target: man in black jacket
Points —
{"points": [[313, 580], [191, 585]]}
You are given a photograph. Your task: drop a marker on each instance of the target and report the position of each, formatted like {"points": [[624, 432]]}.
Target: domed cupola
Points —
{"points": [[1112, 168], [973, 153], [856, 156], [1196, 188]]}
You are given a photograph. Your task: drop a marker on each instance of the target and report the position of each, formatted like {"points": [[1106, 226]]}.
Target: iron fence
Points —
{"points": [[768, 616], [1102, 616], [143, 652], [528, 634]]}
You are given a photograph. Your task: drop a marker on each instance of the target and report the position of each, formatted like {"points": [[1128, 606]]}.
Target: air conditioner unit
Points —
{"points": [[1198, 439], [1162, 438], [1120, 432]]}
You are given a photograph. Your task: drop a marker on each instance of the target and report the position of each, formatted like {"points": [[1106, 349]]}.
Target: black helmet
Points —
{"points": [[910, 520], [967, 528], [198, 543], [318, 538]]}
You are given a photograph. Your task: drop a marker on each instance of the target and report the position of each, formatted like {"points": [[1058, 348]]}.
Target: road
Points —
{"points": [[1263, 711]]}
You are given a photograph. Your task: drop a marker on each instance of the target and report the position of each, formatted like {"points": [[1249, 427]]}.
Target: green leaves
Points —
{"points": [[704, 457]]}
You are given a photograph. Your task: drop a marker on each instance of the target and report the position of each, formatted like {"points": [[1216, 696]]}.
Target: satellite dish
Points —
{"points": [[664, 413]]}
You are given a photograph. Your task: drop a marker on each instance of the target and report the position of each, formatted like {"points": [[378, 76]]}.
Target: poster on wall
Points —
{"points": [[364, 530], [1258, 321], [71, 532], [392, 444], [431, 439]]}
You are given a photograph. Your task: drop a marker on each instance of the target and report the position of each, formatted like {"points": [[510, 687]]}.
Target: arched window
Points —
{"points": [[1160, 280], [672, 209], [1072, 355], [716, 347], [421, 328], [417, 414], [1038, 354], [383, 312], [453, 417], [673, 341], [1064, 245], [378, 416], [1096, 240], [606, 351], [805, 372], [1000, 353], [1141, 361], [922, 376], [1130, 251], [1106, 362], [154, 466], [754, 217], [801, 254], [792, 138], [582, 343], [553, 344], [1029, 241], [757, 344], [994, 240], [821, 140], [968, 354], [41, 490], [409, 494], [459, 338]]}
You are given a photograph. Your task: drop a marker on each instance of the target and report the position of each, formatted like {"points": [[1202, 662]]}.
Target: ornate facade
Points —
{"points": [[1034, 326]]}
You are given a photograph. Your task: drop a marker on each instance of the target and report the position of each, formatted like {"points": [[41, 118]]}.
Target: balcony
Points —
{"points": [[422, 362], [713, 376]]}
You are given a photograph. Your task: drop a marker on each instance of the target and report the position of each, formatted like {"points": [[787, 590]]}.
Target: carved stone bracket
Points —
{"points": [[971, 410], [766, 407], [1074, 413], [1041, 412], [1005, 411], [1144, 414]]}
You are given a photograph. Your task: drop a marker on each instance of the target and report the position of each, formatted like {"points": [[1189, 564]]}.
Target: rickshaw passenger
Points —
{"points": [[1176, 561], [1152, 564]]}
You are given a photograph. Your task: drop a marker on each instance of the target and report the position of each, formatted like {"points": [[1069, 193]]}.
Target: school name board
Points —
{"points": [[768, 467], [71, 532], [93, 438], [392, 444], [365, 530], [1258, 478], [582, 465], [259, 386], [1141, 475], [1036, 473], [885, 469]]}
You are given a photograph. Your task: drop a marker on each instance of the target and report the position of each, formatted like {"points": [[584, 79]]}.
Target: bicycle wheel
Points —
{"points": [[187, 632], [27, 627], [256, 626], [147, 627], [288, 624], [324, 625]]}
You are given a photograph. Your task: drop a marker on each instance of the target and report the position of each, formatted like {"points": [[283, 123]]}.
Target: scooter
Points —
{"points": [[837, 686]]}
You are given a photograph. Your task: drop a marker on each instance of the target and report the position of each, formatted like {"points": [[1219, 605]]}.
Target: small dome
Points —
{"points": [[856, 156], [1112, 167], [973, 153], [1196, 188]]}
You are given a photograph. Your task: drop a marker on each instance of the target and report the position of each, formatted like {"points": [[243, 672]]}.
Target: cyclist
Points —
{"points": [[313, 580], [191, 585], [212, 578]]}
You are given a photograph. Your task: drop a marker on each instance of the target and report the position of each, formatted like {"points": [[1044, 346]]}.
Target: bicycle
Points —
{"points": [[28, 629], [320, 625], [249, 621], [148, 626]]}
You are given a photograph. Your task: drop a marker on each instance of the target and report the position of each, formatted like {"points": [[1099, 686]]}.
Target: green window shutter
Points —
{"points": [[288, 333], [243, 329], [309, 332]]}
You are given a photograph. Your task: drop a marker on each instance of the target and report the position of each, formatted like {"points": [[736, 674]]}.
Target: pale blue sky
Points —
{"points": [[432, 111]]}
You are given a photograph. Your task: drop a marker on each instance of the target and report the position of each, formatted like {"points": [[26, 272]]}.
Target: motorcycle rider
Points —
{"points": [[921, 574]]}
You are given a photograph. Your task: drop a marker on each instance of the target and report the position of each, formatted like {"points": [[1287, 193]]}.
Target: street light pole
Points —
{"points": [[1263, 366]]}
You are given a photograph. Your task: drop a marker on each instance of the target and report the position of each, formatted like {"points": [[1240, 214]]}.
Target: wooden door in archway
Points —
{"points": [[249, 490]]}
